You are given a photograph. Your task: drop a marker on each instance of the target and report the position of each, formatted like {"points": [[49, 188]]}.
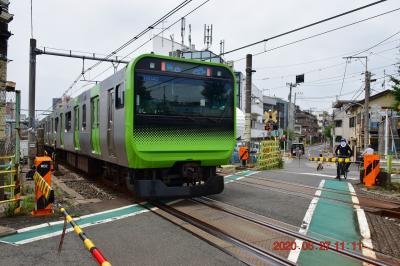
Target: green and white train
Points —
{"points": [[160, 126]]}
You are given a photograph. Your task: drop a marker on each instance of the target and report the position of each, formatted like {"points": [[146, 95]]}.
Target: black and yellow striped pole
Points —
{"points": [[331, 159], [96, 253]]}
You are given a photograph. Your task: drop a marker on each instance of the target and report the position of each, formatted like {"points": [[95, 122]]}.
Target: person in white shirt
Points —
{"points": [[368, 151]]}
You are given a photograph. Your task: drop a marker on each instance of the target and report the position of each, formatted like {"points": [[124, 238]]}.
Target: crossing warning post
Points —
{"points": [[371, 169], [44, 194], [243, 155]]}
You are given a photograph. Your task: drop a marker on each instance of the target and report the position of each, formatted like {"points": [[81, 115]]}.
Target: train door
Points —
{"points": [[95, 133], [77, 146], [110, 122]]}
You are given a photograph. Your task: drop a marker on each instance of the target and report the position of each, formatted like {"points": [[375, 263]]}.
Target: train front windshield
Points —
{"points": [[183, 90]]}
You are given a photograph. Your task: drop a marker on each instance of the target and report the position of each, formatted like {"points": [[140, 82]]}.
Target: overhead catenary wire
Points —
{"points": [[124, 57], [327, 67], [326, 58], [303, 27], [379, 43], [322, 33], [150, 39], [130, 41]]}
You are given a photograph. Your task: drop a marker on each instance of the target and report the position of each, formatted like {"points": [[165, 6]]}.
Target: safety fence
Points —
{"points": [[269, 156], [10, 185]]}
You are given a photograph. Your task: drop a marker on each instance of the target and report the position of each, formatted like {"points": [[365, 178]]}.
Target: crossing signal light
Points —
{"points": [[271, 116]]}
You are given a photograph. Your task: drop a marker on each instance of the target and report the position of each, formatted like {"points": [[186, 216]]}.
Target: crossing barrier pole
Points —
{"points": [[96, 253]]}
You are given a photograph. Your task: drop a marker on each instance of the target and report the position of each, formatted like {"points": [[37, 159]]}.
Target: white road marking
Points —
{"points": [[321, 175], [294, 254], [77, 219], [367, 247]]}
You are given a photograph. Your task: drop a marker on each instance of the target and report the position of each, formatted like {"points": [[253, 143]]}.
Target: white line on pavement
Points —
{"points": [[294, 254], [367, 247]]}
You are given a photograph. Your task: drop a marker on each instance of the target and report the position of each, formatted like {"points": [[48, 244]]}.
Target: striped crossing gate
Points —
{"points": [[269, 156], [89, 245], [331, 159]]}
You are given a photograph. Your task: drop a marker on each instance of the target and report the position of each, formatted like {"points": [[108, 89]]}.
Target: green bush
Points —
{"points": [[28, 204]]}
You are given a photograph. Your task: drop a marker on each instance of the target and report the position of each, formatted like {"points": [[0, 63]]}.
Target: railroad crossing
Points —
{"points": [[164, 151]]}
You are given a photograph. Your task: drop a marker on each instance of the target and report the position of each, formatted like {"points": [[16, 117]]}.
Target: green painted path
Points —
{"points": [[334, 222]]}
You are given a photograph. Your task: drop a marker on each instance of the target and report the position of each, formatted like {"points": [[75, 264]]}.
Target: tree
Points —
{"points": [[396, 91]]}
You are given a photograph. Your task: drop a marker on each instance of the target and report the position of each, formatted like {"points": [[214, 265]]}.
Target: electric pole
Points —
{"points": [[32, 95], [366, 100], [290, 111], [366, 107], [247, 124]]}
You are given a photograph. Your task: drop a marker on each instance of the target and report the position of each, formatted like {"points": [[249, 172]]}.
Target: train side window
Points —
{"points": [[61, 123], [68, 121], [120, 96], [56, 124], [76, 118], [95, 112], [84, 117]]}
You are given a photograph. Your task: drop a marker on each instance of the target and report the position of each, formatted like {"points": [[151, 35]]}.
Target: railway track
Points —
{"points": [[207, 217], [381, 207]]}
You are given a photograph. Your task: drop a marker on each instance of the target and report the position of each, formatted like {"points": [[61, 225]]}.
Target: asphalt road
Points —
{"points": [[146, 239]]}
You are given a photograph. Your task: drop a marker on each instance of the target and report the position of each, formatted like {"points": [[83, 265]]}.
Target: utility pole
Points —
{"points": [[290, 111], [366, 100], [366, 107], [32, 95], [247, 117]]}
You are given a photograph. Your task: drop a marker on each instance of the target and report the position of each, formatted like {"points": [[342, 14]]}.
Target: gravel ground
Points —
{"points": [[377, 193], [385, 234], [90, 190]]}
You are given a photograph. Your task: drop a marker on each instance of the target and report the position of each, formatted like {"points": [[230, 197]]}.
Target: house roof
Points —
{"points": [[341, 103]]}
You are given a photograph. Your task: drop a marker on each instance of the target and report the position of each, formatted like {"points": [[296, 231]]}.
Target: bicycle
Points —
{"points": [[342, 168]]}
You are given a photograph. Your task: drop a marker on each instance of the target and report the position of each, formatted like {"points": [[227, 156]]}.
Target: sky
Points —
{"points": [[100, 26]]}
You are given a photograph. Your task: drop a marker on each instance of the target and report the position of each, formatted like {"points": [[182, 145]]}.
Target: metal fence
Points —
{"points": [[388, 137]]}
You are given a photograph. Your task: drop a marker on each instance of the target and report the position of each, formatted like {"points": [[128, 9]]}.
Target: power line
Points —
{"points": [[324, 58], [322, 33], [151, 38], [321, 68], [304, 27], [344, 76], [379, 43], [171, 25], [145, 31]]}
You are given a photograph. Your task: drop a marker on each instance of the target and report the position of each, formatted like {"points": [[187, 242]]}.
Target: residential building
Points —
{"points": [[349, 119], [306, 127], [257, 111]]}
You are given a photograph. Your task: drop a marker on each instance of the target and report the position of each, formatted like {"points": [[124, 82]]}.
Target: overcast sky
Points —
{"points": [[101, 26]]}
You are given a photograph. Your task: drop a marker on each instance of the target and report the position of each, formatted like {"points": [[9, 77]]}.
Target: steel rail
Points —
{"points": [[333, 190], [310, 196], [265, 256], [289, 232]]}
